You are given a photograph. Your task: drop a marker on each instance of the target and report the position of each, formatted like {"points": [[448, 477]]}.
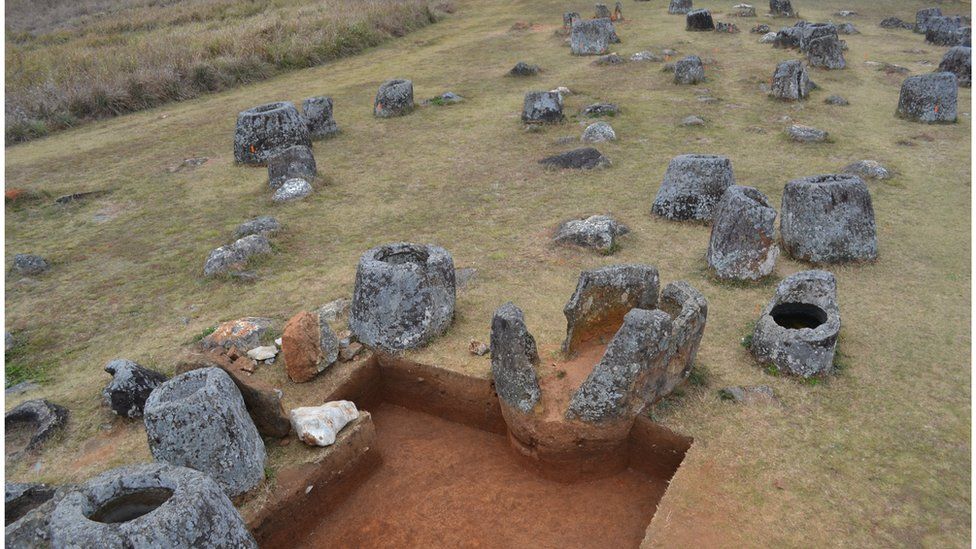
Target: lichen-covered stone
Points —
{"points": [[600, 109], [744, 10], [601, 11], [837, 101], [586, 158], [742, 245], [847, 28], [797, 331], [264, 225], [30, 265], [294, 188], [825, 52], [293, 162], [699, 20], [828, 219], [787, 38], [948, 31], [867, 169], [513, 359], [524, 69], [791, 81], [592, 36], [806, 134], [569, 18], [404, 296], [35, 421], [599, 232], [610, 59], [959, 61], [689, 70], [603, 296], [394, 98], [266, 130], [922, 17], [148, 505], [895, 23], [243, 334], [929, 98], [198, 420], [693, 186], [688, 309], [318, 117], [234, 257], [543, 108], [20, 497], [130, 387], [679, 7], [598, 132], [781, 8]]}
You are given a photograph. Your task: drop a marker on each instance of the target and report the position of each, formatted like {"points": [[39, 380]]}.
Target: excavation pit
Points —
{"points": [[131, 505]]}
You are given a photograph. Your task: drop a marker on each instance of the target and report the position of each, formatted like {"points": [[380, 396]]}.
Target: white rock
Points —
{"points": [[263, 353], [319, 425], [598, 133], [292, 189], [768, 38], [278, 342]]}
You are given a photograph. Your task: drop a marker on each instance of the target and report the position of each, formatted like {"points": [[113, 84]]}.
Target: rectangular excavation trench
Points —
{"points": [[428, 464]]}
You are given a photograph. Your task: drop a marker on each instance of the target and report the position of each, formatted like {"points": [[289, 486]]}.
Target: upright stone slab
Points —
{"points": [[130, 387], [828, 219], [693, 186], [198, 420], [319, 118], [791, 81], [959, 61], [149, 505], [699, 20], [781, 8], [592, 36], [543, 107], [929, 98], [922, 17], [679, 7], [309, 346], [266, 130], [293, 162], [394, 98], [689, 70], [404, 296], [742, 245], [688, 310], [513, 359]]}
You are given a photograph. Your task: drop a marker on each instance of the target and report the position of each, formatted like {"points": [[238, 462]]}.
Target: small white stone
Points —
{"points": [[278, 342], [263, 353], [319, 425]]}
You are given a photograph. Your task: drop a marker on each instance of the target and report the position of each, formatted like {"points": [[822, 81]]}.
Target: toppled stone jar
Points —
{"points": [[543, 108], [198, 420], [592, 36], [929, 98], [693, 186], [130, 387], [742, 245], [149, 505], [404, 296], [30, 424], [797, 331], [828, 219], [266, 130], [394, 98]]}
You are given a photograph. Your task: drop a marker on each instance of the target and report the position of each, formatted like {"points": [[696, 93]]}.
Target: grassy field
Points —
{"points": [[878, 455], [72, 61]]}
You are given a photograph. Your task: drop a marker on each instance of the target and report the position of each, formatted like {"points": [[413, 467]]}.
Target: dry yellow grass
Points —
{"points": [[877, 456]]}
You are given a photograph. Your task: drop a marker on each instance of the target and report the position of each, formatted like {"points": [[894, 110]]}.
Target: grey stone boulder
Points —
{"points": [[699, 20], [837, 101], [781, 8], [847, 28], [394, 98], [959, 61], [679, 7], [242, 334], [318, 117], [867, 169], [30, 265], [742, 245], [542, 107], [586, 158], [826, 52], [30, 424], [601, 299], [293, 162], [692, 120], [569, 18], [923, 16], [234, 257], [264, 225], [610, 59], [592, 36], [599, 232], [797, 331], [645, 55], [806, 134], [692, 187], [791, 81], [788, 38], [895, 23], [600, 109], [601, 11], [294, 188], [743, 10], [929, 98], [598, 132], [948, 31], [20, 497], [404, 296], [148, 505], [828, 219], [513, 359], [689, 70], [266, 130], [524, 69], [688, 310], [130, 387], [198, 420], [768, 38]]}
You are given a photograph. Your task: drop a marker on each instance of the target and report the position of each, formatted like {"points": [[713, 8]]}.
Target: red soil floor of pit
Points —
{"points": [[443, 484]]}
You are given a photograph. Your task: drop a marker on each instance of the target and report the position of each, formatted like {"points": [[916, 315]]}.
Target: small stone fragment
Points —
{"points": [[319, 425], [600, 109], [599, 232], [524, 69], [242, 334], [806, 134], [749, 394], [867, 169], [130, 387], [837, 101], [30, 265], [598, 132], [586, 158], [646, 56], [263, 353], [478, 348], [292, 189], [692, 120], [234, 257], [394, 98], [265, 225]]}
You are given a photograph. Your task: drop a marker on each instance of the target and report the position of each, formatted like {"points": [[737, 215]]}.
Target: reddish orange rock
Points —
{"points": [[301, 347]]}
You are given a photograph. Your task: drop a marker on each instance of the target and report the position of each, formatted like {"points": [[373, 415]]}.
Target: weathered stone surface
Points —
{"points": [[788, 38], [781, 8], [646, 56], [948, 31], [513, 359], [19, 498], [748, 394], [895, 23], [309, 346], [319, 425], [569, 18], [601, 11], [699, 20], [599, 232], [598, 132], [693, 186], [806, 134], [679, 7], [334, 310], [524, 69], [198, 420], [797, 331], [21, 388], [825, 51], [602, 298], [148, 505], [394, 98], [586, 158], [265, 225], [295, 188], [611, 59], [543, 108], [929, 98], [847, 28], [959, 61], [30, 424], [692, 120], [592, 36], [828, 219], [744, 10], [32, 530], [688, 310], [243, 333], [689, 70], [30, 265], [318, 117], [867, 169], [404, 296], [263, 352], [728, 28], [768, 38], [130, 387], [837, 101], [291, 163], [922, 17], [600, 109], [614, 389], [234, 257], [742, 245], [266, 130], [791, 81]]}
